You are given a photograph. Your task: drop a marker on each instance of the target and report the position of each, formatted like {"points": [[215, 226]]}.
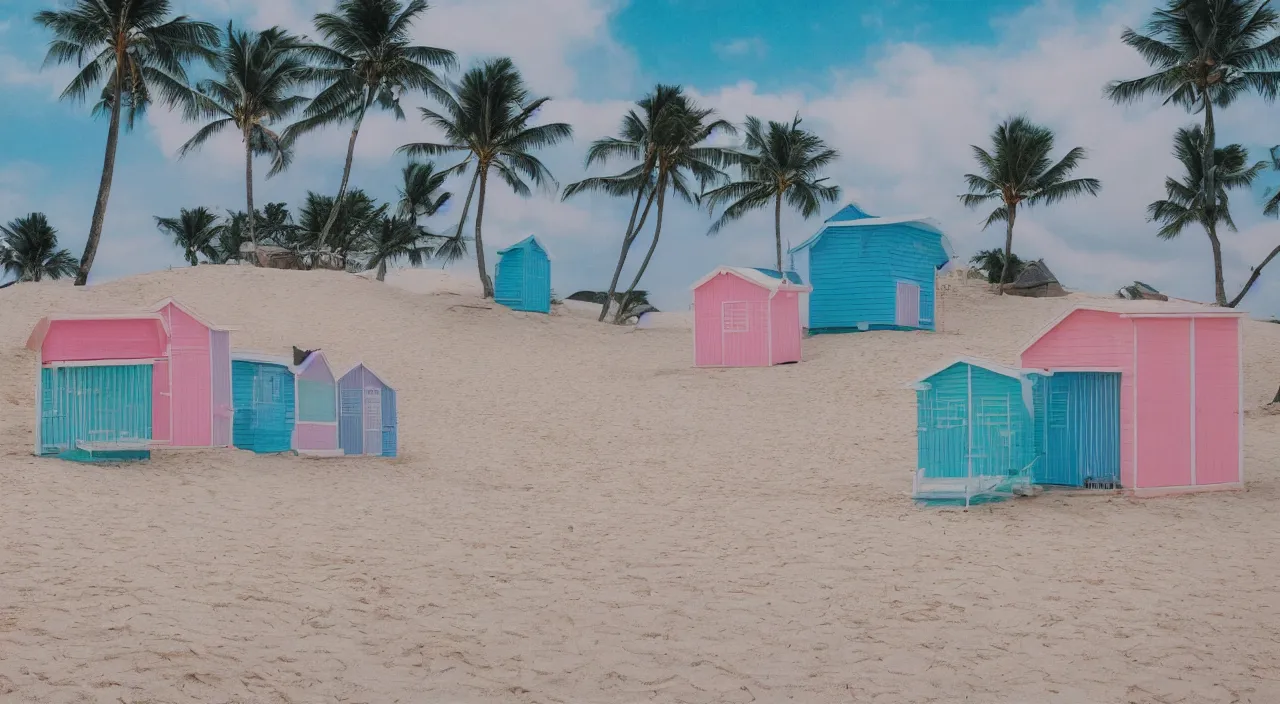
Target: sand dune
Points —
{"points": [[580, 516]]}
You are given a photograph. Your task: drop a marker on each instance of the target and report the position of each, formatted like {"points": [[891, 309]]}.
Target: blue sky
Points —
{"points": [[900, 87]]}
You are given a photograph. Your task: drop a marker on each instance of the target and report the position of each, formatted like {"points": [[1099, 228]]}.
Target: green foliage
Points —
{"points": [[29, 250], [194, 232], [353, 226], [991, 263], [1187, 199]]}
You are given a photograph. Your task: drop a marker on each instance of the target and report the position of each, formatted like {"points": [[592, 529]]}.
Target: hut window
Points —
{"points": [[352, 402], [993, 412], [734, 317], [1058, 409], [948, 413]]}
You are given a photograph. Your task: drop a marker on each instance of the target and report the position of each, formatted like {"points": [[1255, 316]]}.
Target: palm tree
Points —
{"points": [[394, 237], [29, 250], [1187, 201], [351, 225], [1021, 171], [194, 231], [486, 117], [991, 263], [259, 73], [637, 141], [679, 149], [231, 234], [276, 224], [419, 195], [368, 61], [1207, 53], [783, 163], [132, 54]]}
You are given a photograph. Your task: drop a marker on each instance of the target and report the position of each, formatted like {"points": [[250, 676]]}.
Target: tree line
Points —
{"points": [[272, 88]]}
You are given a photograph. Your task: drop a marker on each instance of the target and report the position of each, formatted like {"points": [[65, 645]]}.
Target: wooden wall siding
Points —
{"points": [[1217, 400], [522, 278], [223, 406], [264, 406], [855, 271], [1164, 402], [191, 374], [94, 404]]}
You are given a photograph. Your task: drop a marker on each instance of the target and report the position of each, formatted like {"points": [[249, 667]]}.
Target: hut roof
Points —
{"points": [[310, 357], [198, 318], [36, 340], [1033, 275], [861, 219], [792, 276], [1139, 309], [530, 241], [971, 361], [260, 358], [367, 369], [755, 276]]}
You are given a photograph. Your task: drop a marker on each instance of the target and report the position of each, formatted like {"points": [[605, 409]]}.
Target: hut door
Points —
{"points": [[744, 333], [162, 400], [908, 305], [373, 421], [1081, 429]]}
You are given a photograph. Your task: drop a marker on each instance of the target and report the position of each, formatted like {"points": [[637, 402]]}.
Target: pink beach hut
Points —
{"points": [[1155, 390], [745, 318], [193, 406], [94, 379]]}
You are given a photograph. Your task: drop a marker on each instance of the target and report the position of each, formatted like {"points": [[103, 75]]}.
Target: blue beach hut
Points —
{"points": [[975, 430], [874, 273], [523, 280], [263, 393], [368, 421]]}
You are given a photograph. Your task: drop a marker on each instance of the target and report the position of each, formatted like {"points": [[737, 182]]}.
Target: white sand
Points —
{"points": [[579, 516]]}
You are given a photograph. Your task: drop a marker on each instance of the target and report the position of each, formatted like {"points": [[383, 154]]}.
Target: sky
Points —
{"points": [[901, 88]]}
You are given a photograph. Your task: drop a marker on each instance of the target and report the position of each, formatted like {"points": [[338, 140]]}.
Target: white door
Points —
{"points": [[908, 305], [373, 421]]}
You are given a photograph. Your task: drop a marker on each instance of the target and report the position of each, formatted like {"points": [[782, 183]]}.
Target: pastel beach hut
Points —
{"points": [[1147, 393], [264, 396], [193, 405], [745, 318], [975, 431], [315, 429], [873, 273], [523, 280], [367, 415], [94, 388]]}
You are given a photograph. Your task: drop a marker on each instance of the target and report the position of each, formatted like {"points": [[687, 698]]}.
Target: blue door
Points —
{"points": [[388, 422], [1079, 419], [263, 397]]}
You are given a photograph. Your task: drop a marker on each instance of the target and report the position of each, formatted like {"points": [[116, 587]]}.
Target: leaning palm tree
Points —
{"points": [[29, 250], [132, 53], [784, 162], [368, 62], [636, 141], [680, 152], [1187, 201], [1020, 171], [194, 231], [486, 117], [1207, 53], [393, 238], [260, 71]]}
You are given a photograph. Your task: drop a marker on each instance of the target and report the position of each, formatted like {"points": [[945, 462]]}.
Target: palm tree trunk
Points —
{"points": [[633, 229], [1008, 248], [777, 232], [1211, 200], [248, 191], [1257, 271], [382, 270], [482, 170], [346, 169], [657, 232], [104, 187]]}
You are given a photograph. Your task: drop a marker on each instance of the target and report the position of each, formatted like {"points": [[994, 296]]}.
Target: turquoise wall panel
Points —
{"points": [[1080, 428], [263, 396], [977, 424], [317, 401], [94, 404]]}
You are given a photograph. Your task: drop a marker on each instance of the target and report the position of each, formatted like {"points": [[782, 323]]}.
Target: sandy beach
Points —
{"points": [[578, 515]]}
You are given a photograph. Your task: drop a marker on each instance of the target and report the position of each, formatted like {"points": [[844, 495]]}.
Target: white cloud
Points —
{"points": [[741, 47]]}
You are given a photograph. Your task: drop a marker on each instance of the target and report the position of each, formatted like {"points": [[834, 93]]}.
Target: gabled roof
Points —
{"points": [[919, 222], [198, 318], [530, 241], [851, 211], [972, 361], [36, 340], [1138, 309], [773, 284], [792, 276], [311, 358], [260, 358], [367, 369]]}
